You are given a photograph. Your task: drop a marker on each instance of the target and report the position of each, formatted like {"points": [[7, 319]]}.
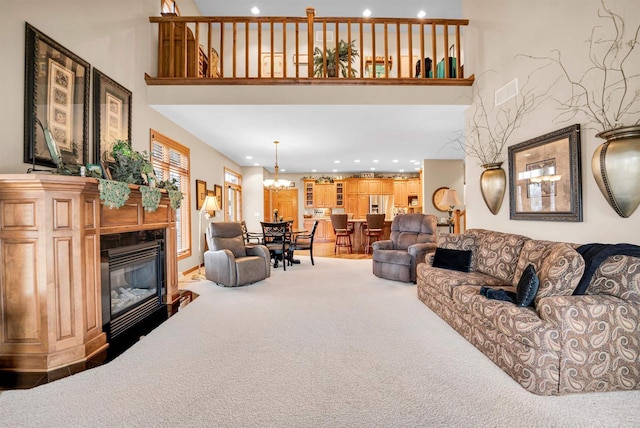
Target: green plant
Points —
{"points": [[329, 58], [131, 166]]}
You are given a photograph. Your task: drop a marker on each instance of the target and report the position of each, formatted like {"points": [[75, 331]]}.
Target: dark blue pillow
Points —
{"points": [[459, 260], [527, 287]]}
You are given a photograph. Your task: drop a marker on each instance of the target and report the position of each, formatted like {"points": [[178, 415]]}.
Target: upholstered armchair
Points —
{"points": [[413, 236], [228, 261]]}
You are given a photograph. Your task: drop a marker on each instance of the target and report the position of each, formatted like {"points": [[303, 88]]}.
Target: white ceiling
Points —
{"points": [[313, 137]]}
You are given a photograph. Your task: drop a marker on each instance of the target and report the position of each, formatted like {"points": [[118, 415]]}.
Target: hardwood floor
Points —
{"points": [[326, 249]]}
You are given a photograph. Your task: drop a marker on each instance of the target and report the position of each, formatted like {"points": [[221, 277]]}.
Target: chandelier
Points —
{"points": [[277, 184]]}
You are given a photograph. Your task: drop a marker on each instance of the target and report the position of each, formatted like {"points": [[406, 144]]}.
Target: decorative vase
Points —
{"points": [[493, 183], [616, 167]]}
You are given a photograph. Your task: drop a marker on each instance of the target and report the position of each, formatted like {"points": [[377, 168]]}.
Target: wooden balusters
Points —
{"points": [[186, 50]]}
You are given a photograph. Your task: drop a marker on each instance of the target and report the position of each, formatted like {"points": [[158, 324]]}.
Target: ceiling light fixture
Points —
{"points": [[255, 10], [422, 14], [277, 184], [366, 13]]}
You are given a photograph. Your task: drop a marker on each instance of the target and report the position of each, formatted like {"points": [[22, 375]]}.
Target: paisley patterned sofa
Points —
{"points": [[562, 344]]}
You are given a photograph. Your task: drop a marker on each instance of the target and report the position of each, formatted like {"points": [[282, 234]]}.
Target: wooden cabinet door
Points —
{"points": [[340, 194], [352, 204], [308, 194], [363, 187], [286, 202], [400, 193], [363, 207], [375, 187], [386, 185], [329, 195], [413, 187]]}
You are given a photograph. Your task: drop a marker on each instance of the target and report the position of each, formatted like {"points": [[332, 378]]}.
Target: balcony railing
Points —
{"points": [[279, 50]]}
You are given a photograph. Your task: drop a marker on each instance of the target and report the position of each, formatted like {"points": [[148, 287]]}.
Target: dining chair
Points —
{"points": [[304, 241], [250, 237], [276, 237], [340, 224], [373, 230]]}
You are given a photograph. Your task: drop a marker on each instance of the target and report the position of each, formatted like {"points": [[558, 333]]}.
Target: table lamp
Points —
{"points": [[450, 198]]}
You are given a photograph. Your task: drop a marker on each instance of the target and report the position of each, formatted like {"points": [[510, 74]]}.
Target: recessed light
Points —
{"points": [[416, 169], [334, 170], [283, 170], [422, 14], [412, 160], [357, 161], [249, 157], [372, 169], [336, 161], [402, 170], [395, 161], [375, 161], [255, 10], [314, 170], [256, 164], [366, 13]]}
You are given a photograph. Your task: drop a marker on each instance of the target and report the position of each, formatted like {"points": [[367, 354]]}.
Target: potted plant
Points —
{"points": [[608, 95], [329, 58]]}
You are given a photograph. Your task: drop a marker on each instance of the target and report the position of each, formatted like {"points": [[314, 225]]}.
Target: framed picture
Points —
{"points": [[218, 192], [56, 95], [201, 193], [546, 177], [111, 115], [278, 64]]}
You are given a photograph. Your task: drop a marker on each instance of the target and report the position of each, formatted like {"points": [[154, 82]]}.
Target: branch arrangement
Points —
{"points": [[608, 92], [490, 127]]}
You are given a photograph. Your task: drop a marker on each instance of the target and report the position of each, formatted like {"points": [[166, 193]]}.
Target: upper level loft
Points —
{"points": [[309, 50]]}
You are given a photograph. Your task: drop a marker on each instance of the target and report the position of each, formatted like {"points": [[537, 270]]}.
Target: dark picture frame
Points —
{"points": [[111, 115], [218, 192], [57, 94], [545, 176], [201, 193]]}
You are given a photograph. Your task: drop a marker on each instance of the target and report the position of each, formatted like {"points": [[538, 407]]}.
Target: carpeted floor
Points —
{"points": [[324, 345]]}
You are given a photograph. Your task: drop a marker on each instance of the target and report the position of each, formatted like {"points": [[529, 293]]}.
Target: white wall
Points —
{"points": [[498, 31], [116, 38]]}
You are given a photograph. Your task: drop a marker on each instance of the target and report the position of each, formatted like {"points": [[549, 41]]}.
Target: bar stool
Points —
{"points": [[343, 234], [373, 230]]}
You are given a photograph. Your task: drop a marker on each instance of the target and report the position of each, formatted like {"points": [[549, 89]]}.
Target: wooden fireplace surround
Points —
{"points": [[50, 286]]}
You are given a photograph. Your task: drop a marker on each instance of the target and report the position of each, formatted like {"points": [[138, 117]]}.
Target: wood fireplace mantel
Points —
{"points": [[50, 300]]}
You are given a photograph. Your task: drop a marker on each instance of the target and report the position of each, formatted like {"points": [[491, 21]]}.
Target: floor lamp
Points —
{"points": [[210, 204]]}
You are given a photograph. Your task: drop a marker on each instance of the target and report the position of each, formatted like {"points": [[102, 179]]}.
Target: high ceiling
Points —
{"points": [[313, 137]]}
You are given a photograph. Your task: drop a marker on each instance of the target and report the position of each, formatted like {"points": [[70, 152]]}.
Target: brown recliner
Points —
{"points": [[413, 236], [229, 262]]}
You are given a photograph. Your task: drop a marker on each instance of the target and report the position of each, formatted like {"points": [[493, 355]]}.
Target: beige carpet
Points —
{"points": [[324, 345]]}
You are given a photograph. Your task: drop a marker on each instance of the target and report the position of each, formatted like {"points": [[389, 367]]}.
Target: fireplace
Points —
{"points": [[133, 279]]}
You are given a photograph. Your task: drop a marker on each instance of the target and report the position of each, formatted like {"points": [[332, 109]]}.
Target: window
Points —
{"points": [[233, 195], [171, 161]]}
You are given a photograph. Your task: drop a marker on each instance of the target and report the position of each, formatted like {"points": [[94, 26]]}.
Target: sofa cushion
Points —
{"points": [[560, 272], [463, 241], [533, 252], [618, 276], [519, 323], [527, 287], [459, 260], [445, 280], [498, 252]]}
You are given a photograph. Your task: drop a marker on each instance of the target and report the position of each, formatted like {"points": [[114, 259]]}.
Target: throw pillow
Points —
{"points": [[459, 260], [527, 287]]}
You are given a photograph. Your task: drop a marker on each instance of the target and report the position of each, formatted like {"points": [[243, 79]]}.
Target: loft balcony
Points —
{"points": [[302, 51]]}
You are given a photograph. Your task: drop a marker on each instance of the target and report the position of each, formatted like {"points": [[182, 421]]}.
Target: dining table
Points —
{"points": [[291, 238]]}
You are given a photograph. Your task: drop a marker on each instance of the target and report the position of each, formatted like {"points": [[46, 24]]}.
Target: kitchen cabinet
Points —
{"points": [[386, 186], [400, 198], [324, 231], [324, 195], [340, 185], [308, 194], [413, 187]]}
